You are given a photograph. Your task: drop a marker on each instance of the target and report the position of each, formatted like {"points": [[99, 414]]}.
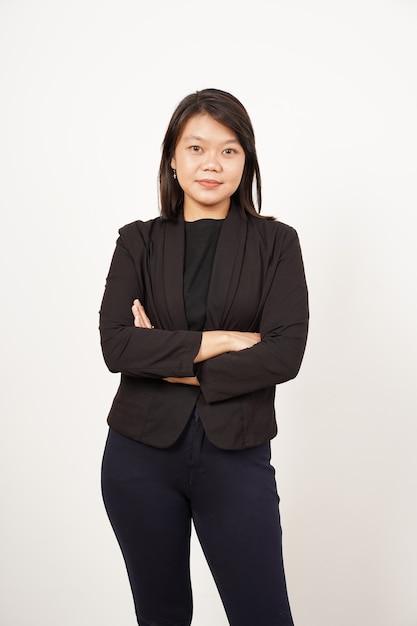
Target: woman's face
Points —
{"points": [[209, 161]]}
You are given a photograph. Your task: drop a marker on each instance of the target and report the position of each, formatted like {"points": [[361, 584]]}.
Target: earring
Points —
{"points": [[174, 174]]}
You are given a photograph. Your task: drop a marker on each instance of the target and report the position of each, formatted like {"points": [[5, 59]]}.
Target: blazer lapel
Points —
{"points": [[173, 273], [226, 267]]}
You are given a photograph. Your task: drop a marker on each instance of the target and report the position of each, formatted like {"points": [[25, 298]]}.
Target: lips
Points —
{"points": [[209, 183]]}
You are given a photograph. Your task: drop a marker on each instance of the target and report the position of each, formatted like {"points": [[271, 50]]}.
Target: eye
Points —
{"points": [[195, 148], [229, 151]]}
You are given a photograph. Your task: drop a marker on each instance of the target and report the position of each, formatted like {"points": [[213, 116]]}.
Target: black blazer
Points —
{"points": [[257, 284]]}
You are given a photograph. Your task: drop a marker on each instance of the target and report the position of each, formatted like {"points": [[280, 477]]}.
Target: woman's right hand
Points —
{"points": [[216, 342], [241, 340]]}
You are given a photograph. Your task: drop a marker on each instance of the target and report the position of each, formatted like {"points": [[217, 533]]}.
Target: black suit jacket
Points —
{"points": [[257, 284]]}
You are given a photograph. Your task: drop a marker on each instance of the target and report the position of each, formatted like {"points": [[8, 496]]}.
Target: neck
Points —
{"points": [[193, 213]]}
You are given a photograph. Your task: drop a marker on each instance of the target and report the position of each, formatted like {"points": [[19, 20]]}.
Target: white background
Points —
{"points": [[87, 89]]}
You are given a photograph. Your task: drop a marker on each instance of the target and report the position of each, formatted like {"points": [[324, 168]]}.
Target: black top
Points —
{"points": [[201, 239]]}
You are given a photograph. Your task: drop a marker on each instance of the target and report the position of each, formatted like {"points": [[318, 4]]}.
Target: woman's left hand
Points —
{"points": [[189, 380], [140, 319]]}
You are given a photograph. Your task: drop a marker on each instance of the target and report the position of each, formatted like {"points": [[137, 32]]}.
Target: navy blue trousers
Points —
{"points": [[153, 495]]}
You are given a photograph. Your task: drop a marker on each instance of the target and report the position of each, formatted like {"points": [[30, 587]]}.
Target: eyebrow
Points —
{"points": [[197, 138]]}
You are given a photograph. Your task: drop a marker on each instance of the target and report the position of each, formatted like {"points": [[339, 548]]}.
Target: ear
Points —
{"points": [[173, 163]]}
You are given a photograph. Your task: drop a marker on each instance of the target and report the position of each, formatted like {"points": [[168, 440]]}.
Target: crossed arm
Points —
{"points": [[213, 342]]}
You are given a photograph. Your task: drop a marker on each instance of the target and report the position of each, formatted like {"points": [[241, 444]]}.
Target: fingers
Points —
{"points": [[141, 320], [251, 339], [243, 340], [189, 380]]}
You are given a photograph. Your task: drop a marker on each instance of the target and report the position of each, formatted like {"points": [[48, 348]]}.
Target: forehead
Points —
{"points": [[205, 128]]}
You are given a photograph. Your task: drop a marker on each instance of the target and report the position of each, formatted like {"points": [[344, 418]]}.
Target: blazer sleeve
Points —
{"points": [[283, 326], [140, 352]]}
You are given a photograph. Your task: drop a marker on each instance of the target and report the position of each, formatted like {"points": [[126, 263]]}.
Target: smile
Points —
{"points": [[209, 183]]}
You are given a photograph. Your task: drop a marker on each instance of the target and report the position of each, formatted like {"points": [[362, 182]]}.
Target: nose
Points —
{"points": [[211, 164]]}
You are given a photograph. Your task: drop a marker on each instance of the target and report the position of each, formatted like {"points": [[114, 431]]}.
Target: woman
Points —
{"points": [[204, 313]]}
